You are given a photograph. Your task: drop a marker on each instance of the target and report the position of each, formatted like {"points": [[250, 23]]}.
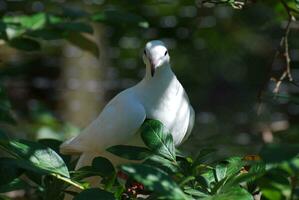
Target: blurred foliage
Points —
{"points": [[35, 166], [230, 55]]}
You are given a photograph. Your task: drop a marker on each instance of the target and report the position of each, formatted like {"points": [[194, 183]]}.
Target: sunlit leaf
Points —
{"points": [[32, 22], [155, 180], [157, 139], [35, 156]]}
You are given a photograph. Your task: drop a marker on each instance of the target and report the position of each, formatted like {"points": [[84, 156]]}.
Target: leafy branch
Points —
{"points": [[236, 4]]}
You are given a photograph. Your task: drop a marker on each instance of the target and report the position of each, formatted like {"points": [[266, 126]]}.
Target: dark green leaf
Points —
{"points": [[75, 27], [203, 155], [8, 171], [157, 139], [155, 180], [94, 193], [35, 156], [47, 34], [3, 136], [25, 44], [102, 166], [162, 163], [16, 184], [233, 193], [195, 193], [276, 153], [84, 43], [118, 17], [5, 108], [73, 13], [274, 184], [51, 143], [130, 152]]}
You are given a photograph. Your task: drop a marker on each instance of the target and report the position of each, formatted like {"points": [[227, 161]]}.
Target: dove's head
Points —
{"points": [[155, 55]]}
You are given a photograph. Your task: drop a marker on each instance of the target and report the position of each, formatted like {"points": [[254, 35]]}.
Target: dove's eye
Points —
{"points": [[166, 52]]}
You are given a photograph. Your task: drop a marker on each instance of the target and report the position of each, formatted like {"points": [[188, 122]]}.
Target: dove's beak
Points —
{"points": [[153, 68]]}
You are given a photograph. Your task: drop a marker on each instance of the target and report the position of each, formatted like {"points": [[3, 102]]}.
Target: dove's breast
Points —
{"points": [[170, 105]]}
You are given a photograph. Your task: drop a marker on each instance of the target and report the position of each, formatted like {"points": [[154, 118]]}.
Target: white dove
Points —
{"points": [[159, 95]]}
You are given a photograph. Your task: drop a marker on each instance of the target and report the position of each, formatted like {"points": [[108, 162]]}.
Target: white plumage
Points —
{"points": [[158, 96]]}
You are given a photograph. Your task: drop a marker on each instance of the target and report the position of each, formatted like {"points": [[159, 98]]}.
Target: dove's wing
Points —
{"points": [[118, 122]]}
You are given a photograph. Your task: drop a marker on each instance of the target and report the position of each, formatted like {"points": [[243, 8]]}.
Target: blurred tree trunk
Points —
{"points": [[82, 81]]}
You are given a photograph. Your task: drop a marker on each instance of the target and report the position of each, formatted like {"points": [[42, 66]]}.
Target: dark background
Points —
{"points": [[224, 58]]}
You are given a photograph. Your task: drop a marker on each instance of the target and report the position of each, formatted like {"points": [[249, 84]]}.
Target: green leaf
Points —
{"points": [[94, 193], [157, 139], [118, 17], [32, 22], [233, 193], [5, 108], [4, 198], [51, 143], [84, 43], [16, 184], [277, 153], [275, 182], [195, 193], [24, 44], [3, 136], [102, 166], [220, 171], [73, 13], [203, 155], [155, 180], [162, 163], [47, 34], [75, 27], [130, 152], [35, 156], [256, 171], [234, 165], [8, 171]]}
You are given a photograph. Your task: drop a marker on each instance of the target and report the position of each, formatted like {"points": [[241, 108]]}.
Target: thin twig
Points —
{"points": [[285, 44], [68, 181], [282, 49]]}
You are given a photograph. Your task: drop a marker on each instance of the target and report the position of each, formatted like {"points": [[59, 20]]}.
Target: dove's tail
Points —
{"points": [[71, 147]]}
